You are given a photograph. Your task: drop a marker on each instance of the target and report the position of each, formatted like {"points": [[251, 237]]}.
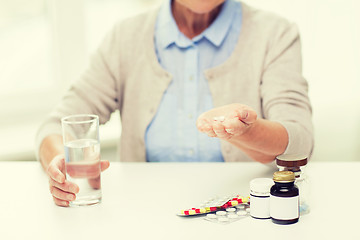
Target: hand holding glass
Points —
{"points": [[82, 156]]}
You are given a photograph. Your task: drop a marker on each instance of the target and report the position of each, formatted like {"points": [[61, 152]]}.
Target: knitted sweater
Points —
{"points": [[263, 72]]}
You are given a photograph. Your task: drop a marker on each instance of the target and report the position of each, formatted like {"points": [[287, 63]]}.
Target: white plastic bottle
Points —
{"points": [[260, 197]]}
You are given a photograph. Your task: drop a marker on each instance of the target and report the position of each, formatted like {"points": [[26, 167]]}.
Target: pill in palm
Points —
{"points": [[220, 118]]}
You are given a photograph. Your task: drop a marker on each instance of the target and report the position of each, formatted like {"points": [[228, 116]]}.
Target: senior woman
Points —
{"points": [[196, 80]]}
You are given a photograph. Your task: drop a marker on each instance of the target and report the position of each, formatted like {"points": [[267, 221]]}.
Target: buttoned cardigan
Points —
{"points": [[264, 72]]}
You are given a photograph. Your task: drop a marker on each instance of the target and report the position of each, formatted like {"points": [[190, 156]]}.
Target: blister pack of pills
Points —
{"points": [[215, 204], [229, 215]]}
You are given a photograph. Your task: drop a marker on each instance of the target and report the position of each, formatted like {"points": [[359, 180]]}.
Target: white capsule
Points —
{"points": [[221, 213], [211, 216], [228, 130], [220, 118], [241, 213], [230, 209]]}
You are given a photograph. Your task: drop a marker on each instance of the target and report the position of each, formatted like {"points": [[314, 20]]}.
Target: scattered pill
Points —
{"points": [[222, 206], [230, 209], [241, 213], [221, 213], [211, 216], [220, 118]]}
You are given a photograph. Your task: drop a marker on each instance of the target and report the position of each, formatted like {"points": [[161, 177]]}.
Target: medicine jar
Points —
{"points": [[284, 198]]}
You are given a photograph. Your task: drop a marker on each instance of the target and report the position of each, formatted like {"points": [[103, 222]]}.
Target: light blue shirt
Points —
{"points": [[172, 135]]}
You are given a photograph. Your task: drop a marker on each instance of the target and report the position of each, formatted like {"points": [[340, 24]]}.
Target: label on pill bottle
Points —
{"points": [[260, 207], [284, 208]]}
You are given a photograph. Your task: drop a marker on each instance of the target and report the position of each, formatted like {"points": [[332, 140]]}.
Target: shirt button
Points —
{"points": [[190, 116], [191, 77]]}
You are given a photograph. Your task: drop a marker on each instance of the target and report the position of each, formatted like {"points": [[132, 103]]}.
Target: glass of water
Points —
{"points": [[82, 156]]}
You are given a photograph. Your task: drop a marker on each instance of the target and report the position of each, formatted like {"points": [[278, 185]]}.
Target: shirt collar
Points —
{"points": [[168, 32], [218, 30]]}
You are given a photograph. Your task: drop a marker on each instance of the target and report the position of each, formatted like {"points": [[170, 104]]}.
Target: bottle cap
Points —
{"points": [[284, 176], [261, 186], [291, 160]]}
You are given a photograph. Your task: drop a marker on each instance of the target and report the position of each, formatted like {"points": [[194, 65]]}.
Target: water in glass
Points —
{"points": [[83, 168]]}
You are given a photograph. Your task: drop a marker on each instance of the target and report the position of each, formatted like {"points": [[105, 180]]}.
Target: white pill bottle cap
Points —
{"points": [[261, 186]]}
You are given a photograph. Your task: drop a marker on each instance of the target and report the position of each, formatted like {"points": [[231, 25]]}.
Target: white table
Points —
{"points": [[140, 201]]}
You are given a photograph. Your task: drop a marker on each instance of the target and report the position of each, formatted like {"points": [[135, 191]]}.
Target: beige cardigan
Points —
{"points": [[263, 72]]}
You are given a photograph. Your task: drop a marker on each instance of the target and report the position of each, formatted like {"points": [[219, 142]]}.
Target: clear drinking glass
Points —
{"points": [[82, 156]]}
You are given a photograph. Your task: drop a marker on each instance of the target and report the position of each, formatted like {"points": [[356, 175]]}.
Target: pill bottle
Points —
{"points": [[260, 197], [284, 198], [297, 164]]}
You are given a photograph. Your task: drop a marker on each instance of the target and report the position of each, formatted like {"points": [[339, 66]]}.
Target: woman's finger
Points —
{"points": [[95, 183], [202, 124], [246, 115], [234, 126], [59, 194], [104, 164], [61, 203], [219, 130], [56, 169], [66, 186]]}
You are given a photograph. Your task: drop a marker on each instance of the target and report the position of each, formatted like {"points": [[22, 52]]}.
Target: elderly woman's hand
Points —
{"points": [[227, 121], [64, 191]]}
